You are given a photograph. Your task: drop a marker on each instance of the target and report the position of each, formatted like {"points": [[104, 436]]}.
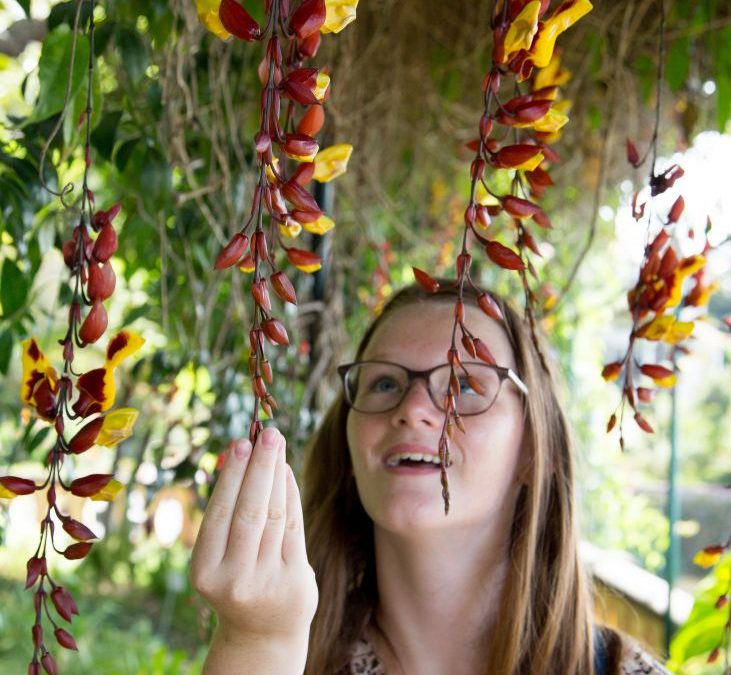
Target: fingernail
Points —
{"points": [[269, 438], [242, 449]]}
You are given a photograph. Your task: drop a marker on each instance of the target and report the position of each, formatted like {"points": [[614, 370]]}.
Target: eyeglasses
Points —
{"points": [[380, 386]]}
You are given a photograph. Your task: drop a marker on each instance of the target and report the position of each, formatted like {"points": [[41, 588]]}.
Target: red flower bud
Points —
{"points": [[237, 21], [86, 436], [90, 485], [64, 603], [309, 46], [283, 287], [262, 142], [520, 208], [65, 639], [102, 281], [483, 216], [643, 424], [37, 634], [464, 261], [302, 259], [95, 323], [503, 256], [300, 85], [261, 294], [20, 486], [299, 197], [78, 530], [633, 157], [312, 120], [105, 244], [514, 155], [300, 145], [232, 252], [77, 551], [275, 331], [426, 281], [48, 663], [102, 218], [489, 306], [483, 353], [308, 18], [259, 245], [35, 568], [656, 371], [303, 175]]}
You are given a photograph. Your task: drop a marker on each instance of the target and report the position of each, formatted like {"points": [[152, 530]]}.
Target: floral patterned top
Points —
{"points": [[363, 661]]}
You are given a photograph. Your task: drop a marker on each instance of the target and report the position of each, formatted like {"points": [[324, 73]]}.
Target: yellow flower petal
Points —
{"points": [[7, 494], [123, 344], [666, 381], [309, 268], [208, 15], [332, 162], [483, 197], [552, 75], [35, 368], [567, 14], [109, 492], [339, 13], [320, 226], [302, 158], [270, 174], [117, 427], [550, 123], [322, 86], [531, 163], [705, 559], [290, 229], [522, 30]]}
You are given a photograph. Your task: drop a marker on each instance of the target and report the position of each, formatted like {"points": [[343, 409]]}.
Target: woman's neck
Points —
{"points": [[438, 597]]}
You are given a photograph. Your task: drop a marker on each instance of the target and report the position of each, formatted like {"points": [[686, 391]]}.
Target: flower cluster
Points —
{"points": [[524, 38], [659, 304], [709, 556], [288, 158], [78, 405]]}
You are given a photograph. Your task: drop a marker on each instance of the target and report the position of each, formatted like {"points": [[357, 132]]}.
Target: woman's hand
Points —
{"points": [[249, 560]]}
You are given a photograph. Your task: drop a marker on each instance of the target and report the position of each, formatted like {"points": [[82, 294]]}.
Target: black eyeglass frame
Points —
{"points": [[502, 372]]}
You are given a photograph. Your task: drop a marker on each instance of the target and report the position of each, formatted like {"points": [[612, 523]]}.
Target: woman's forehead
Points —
{"points": [[419, 335]]}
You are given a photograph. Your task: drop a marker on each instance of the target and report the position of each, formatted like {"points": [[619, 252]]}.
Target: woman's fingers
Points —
{"points": [[210, 546], [252, 507], [293, 543], [271, 539]]}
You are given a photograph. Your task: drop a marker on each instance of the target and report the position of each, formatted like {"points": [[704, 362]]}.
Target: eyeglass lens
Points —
{"points": [[379, 387]]}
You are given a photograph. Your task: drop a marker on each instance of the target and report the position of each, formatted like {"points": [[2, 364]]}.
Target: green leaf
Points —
{"points": [[25, 5], [677, 64], [105, 134], [133, 53], [13, 288], [53, 71], [6, 350]]}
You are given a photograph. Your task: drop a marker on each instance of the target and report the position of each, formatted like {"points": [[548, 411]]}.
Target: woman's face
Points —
{"points": [[484, 477]]}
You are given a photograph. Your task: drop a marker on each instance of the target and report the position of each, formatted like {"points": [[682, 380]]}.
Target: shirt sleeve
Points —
{"points": [[639, 662]]}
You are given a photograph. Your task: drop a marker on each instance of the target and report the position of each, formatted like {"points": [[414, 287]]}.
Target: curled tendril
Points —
{"points": [[69, 187]]}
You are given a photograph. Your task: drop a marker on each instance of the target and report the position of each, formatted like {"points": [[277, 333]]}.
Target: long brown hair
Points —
{"points": [[545, 618]]}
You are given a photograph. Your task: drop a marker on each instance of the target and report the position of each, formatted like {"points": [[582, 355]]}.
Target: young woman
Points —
{"points": [[398, 588]]}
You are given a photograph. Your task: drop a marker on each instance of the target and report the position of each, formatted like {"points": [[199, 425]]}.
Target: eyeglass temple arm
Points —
{"points": [[512, 375]]}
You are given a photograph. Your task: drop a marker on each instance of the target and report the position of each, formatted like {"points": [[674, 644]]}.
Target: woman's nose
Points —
{"points": [[417, 407]]}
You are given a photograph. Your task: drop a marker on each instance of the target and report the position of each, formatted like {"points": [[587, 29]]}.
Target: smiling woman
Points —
{"points": [[496, 586]]}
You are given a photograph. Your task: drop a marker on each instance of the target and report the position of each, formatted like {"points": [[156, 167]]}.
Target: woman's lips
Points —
{"points": [[411, 449]]}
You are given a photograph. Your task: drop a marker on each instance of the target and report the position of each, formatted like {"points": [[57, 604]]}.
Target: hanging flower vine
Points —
{"points": [[288, 157], [515, 134], [77, 404]]}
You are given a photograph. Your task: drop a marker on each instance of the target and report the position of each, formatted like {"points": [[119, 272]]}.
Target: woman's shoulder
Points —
{"points": [[637, 661], [363, 660]]}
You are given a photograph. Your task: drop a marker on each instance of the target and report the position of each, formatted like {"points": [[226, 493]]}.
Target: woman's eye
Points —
{"points": [[383, 385], [464, 386]]}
